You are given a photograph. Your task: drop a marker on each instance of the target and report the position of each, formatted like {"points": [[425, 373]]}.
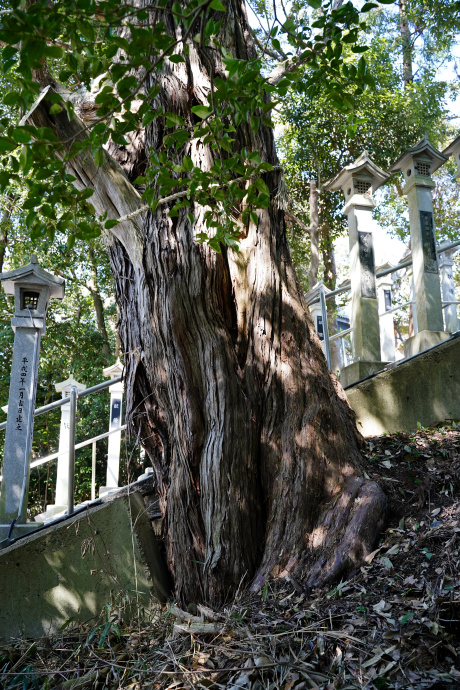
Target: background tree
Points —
{"points": [[319, 137]]}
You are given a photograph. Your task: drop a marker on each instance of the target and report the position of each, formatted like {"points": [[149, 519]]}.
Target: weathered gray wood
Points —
{"points": [[113, 193]]}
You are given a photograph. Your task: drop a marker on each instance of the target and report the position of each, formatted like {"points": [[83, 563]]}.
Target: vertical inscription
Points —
{"points": [[21, 391], [428, 242], [115, 416], [387, 299], [366, 259]]}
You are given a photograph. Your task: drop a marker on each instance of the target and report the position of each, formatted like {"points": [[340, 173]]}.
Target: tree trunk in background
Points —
{"points": [[406, 44], [254, 447], [330, 275], [4, 227], [314, 235], [98, 306]]}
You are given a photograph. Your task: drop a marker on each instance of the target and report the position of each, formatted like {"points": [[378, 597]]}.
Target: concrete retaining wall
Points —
{"points": [[70, 570], [424, 389]]}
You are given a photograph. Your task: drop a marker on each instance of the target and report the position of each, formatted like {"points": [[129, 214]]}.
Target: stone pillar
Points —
{"points": [[62, 480], [417, 164], [32, 288], [387, 327], [357, 182], [116, 404], [446, 268]]}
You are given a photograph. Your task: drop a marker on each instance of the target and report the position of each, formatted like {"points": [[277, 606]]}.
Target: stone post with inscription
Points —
{"points": [[417, 164], [116, 403], [358, 181], [32, 288]]}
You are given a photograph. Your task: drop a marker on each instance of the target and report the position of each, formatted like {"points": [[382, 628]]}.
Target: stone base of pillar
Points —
{"points": [[423, 341], [359, 370], [19, 530], [107, 489], [51, 511]]}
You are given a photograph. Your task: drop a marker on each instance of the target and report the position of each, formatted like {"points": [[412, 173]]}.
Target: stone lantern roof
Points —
{"points": [[424, 157], [65, 386], [33, 274], [115, 370], [362, 169], [454, 150]]}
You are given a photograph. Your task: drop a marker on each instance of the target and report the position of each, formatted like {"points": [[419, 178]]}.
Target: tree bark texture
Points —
{"points": [[406, 44], [254, 447]]}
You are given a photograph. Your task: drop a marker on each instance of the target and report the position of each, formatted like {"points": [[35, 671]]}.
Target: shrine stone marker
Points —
{"points": [[32, 288]]}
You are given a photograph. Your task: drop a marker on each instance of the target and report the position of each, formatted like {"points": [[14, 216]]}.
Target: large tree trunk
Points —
{"points": [[254, 447]]}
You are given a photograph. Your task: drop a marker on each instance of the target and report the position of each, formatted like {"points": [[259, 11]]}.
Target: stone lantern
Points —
{"points": [[32, 287], [454, 150], [358, 181], [417, 165]]}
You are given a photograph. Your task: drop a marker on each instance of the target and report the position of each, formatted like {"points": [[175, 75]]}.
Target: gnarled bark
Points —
{"points": [[254, 447]]}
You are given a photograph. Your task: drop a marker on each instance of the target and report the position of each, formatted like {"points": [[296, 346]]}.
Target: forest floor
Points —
{"points": [[395, 623]]}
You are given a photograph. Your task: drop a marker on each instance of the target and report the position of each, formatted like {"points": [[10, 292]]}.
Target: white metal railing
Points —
{"points": [[318, 294], [70, 451]]}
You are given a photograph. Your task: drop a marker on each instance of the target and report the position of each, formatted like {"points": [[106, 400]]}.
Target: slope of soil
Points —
{"points": [[395, 623]]}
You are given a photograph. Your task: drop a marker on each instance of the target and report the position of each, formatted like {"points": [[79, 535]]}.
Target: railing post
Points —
{"points": [[387, 328], [72, 423], [446, 264], [113, 451], [62, 478], [93, 472]]}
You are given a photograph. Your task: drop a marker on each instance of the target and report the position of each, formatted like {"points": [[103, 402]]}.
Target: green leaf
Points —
{"points": [[25, 158], [187, 164], [55, 109], [110, 223], [201, 110], [54, 52], [11, 98], [406, 618], [176, 58], [261, 186], [20, 135], [87, 193], [368, 6], [316, 4], [217, 5], [175, 119]]}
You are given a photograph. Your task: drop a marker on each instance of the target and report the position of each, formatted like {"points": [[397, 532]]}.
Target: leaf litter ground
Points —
{"points": [[395, 623]]}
